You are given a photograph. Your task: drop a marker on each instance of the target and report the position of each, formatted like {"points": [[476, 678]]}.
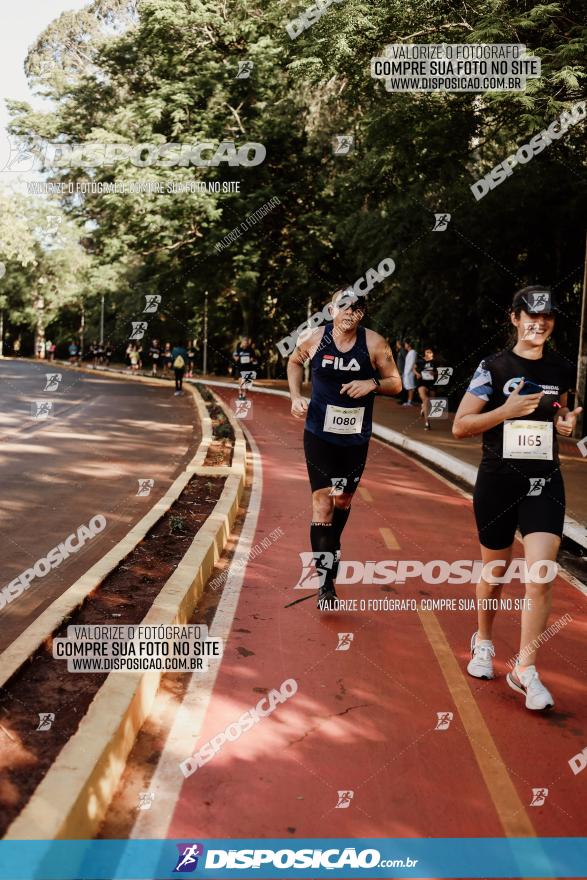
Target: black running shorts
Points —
{"points": [[506, 501], [330, 465]]}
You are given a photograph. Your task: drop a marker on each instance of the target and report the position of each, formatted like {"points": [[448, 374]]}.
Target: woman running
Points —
{"points": [[517, 400], [426, 372]]}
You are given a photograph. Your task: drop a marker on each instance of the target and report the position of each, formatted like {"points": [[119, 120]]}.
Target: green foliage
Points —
{"points": [[158, 71]]}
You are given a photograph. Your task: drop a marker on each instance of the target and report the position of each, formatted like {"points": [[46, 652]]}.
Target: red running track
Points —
{"points": [[364, 719]]}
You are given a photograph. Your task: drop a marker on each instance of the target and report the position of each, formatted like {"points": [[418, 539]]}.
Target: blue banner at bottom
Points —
{"points": [[285, 858]]}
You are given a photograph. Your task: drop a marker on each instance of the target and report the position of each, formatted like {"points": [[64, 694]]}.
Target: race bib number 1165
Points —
{"points": [[526, 439]]}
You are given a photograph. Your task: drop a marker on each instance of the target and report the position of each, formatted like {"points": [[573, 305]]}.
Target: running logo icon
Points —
{"points": [[441, 222], [41, 409], [344, 641], [342, 144], [145, 800], [438, 408], [152, 302], [539, 302], [315, 565], [444, 719], [243, 409], [187, 860], [537, 484], [52, 381], [46, 720], [145, 487], [531, 328], [247, 378], [539, 795], [444, 375], [138, 329], [244, 69], [338, 485], [344, 800], [17, 158]]}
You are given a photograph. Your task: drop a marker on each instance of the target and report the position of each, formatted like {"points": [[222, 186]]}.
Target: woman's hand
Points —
{"points": [[518, 405], [565, 425]]}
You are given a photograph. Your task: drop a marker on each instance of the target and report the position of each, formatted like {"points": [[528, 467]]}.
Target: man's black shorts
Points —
{"points": [[330, 465], [502, 503]]}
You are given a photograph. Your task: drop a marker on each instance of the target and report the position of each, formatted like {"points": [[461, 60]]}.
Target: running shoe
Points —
{"points": [[481, 662], [528, 682], [326, 597], [427, 426]]}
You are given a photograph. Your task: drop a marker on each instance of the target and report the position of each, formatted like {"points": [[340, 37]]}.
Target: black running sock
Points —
{"points": [[323, 541], [339, 519]]}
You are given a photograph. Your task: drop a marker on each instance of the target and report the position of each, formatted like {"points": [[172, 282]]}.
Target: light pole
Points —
{"points": [[82, 328], [307, 364], [39, 306], [582, 372], [205, 364], [102, 319]]}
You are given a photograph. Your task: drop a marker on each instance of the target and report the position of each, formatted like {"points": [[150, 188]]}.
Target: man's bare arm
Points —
{"points": [[295, 371], [382, 356]]}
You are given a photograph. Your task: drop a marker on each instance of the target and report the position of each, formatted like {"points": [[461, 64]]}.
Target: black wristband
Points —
{"points": [[376, 380]]}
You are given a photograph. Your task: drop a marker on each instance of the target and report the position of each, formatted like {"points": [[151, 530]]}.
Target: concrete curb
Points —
{"points": [[74, 795]]}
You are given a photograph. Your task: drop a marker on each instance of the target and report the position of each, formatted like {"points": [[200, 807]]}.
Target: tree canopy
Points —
{"points": [[166, 71]]}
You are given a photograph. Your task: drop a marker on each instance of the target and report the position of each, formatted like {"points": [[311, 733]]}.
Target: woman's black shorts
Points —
{"points": [[504, 502], [330, 465]]}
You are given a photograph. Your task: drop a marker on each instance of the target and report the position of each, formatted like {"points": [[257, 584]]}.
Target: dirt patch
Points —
{"points": [[221, 448], [144, 756], [43, 685]]}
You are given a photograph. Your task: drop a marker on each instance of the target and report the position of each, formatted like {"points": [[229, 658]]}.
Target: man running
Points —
{"points": [[244, 357], [349, 364]]}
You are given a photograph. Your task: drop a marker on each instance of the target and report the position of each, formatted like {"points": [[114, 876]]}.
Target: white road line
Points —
{"points": [[168, 779]]}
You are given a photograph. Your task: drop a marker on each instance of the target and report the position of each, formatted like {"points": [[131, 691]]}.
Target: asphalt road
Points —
{"points": [[85, 459]]}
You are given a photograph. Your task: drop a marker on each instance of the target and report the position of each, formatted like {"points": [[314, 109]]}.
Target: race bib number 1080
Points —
{"points": [[343, 420], [525, 439]]}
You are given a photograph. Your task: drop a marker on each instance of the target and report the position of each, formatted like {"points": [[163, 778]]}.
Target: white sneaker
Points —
{"points": [[481, 662], [528, 683]]}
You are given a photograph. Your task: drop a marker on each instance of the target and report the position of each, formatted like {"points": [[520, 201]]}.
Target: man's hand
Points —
{"points": [[358, 388], [520, 404], [299, 407], [566, 425]]}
